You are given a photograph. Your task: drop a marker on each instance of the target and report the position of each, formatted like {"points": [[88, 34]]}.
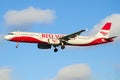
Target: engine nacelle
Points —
{"points": [[44, 46], [54, 41]]}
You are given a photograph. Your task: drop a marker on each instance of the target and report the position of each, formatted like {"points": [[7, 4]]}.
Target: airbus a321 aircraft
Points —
{"points": [[46, 41]]}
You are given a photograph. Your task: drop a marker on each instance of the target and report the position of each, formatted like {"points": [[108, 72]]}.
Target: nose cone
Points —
{"points": [[6, 37]]}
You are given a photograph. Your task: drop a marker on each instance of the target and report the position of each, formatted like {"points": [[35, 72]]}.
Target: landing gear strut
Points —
{"points": [[17, 45], [62, 45]]}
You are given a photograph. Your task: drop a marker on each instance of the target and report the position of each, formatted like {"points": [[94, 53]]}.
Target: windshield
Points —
{"points": [[11, 33]]}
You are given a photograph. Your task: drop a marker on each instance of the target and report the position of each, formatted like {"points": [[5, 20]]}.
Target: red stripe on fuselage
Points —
{"points": [[26, 39]]}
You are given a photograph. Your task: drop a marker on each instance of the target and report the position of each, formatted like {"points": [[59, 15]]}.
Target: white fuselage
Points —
{"points": [[30, 37]]}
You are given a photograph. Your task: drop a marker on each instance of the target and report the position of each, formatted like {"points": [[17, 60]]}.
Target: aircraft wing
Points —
{"points": [[67, 37]]}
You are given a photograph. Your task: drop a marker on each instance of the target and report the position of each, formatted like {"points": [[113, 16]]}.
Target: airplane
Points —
{"points": [[46, 41]]}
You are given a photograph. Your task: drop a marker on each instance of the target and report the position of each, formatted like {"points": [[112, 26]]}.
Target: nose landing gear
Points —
{"points": [[17, 45]]}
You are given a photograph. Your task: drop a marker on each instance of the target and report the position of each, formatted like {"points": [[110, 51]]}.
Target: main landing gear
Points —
{"points": [[62, 45], [56, 50]]}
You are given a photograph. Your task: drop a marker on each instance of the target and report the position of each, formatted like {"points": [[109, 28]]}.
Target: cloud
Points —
{"points": [[115, 29], [29, 15], [74, 72], [5, 74]]}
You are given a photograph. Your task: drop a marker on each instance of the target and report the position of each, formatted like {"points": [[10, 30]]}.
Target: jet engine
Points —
{"points": [[44, 46]]}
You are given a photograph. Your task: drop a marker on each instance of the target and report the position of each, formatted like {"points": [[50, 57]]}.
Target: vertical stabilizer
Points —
{"points": [[105, 30]]}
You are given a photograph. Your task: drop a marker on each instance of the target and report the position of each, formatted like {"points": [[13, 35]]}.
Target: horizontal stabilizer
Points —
{"points": [[111, 38]]}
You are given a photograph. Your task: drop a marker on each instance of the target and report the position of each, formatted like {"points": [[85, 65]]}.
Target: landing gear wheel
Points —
{"points": [[16, 46], [55, 50], [62, 47]]}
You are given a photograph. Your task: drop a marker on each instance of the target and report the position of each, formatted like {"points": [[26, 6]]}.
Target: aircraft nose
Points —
{"points": [[6, 37]]}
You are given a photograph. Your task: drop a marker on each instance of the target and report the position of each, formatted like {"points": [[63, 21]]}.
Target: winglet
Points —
{"points": [[86, 29]]}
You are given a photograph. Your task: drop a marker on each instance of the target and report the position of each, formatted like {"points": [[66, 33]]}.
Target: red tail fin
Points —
{"points": [[104, 32], [107, 26]]}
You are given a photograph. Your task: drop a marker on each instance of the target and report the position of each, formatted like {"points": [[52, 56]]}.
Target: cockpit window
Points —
{"points": [[11, 34]]}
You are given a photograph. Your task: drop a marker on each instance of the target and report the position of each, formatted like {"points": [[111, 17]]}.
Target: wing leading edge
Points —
{"points": [[73, 35]]}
